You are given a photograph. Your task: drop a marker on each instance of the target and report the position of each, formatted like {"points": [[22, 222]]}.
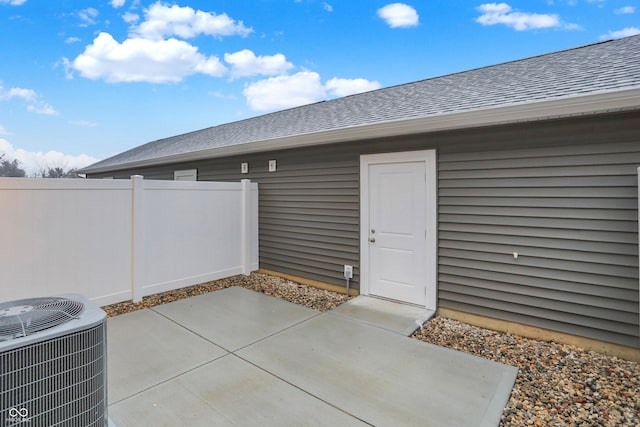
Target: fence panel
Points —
{"points": [[192, 233], [115, 240]]}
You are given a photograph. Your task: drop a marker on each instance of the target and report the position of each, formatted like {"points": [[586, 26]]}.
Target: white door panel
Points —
{"points": [[397, 238]]}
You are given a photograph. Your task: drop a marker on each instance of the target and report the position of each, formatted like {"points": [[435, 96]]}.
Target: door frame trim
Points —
{"points": [[429, 158]]}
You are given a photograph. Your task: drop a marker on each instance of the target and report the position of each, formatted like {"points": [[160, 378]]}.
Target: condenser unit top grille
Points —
{"points": [[25, 317]]}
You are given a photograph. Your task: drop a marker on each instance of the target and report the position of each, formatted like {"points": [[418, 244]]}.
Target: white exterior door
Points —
{"points": [[399, 237]]}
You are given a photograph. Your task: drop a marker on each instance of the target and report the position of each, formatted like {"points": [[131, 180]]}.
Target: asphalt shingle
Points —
{"points": [[595, 68]]}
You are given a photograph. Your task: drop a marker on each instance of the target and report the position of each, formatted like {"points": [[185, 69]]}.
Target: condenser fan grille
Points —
{"points": [[25, 317], [56, 382]]}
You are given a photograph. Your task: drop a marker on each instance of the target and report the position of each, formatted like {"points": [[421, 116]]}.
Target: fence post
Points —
{"points": [[137, 238], [245, 226]]}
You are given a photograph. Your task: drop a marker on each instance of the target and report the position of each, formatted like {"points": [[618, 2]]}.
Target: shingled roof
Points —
{"points": [[585, 80]]}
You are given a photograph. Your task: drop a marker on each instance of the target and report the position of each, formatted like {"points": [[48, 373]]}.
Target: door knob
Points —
{"points": [[372, 239]]}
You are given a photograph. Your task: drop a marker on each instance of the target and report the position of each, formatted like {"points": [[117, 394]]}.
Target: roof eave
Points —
{"points": [[594, 103]]}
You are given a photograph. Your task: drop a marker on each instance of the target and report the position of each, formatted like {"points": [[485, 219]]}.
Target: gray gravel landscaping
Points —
{"points": [[557, 385]]}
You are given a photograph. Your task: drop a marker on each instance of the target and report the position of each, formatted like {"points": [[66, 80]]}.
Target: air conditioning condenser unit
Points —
{"points": [[53, 362]]}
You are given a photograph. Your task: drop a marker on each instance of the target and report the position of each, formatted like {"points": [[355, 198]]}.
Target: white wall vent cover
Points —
{"points": [[53, 364]]}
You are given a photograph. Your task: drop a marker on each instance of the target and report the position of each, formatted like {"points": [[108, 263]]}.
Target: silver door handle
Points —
{"points": [[372, 240]]}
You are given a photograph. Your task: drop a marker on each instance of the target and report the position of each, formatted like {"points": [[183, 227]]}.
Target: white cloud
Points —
{"points": [[117, 3], [162, 20], [3, 131], [35, 161], [345, 87], [398, 15], [502, 13], [42, 107], [72, 40], [327, 7], [67, 66], [13, 2], [35, 103], [130, 18], [18, 92], [572, 27], [284, 91], [301, 88], [245, 63], [218, 94], [626, 10], [88, 16], [625, 32], [141, 60]]}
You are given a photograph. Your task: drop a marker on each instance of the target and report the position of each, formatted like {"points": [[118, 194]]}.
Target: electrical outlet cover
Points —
{"points": [[272, 165], [348, 271]]}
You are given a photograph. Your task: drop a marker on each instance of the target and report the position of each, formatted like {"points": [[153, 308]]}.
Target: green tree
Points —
{"points": [[11, 168], [58, 172]]}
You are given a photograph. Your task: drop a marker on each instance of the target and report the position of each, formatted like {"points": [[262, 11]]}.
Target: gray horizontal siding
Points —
{"points": [[538, 317], [309, 210], [562, 193], [309, 214], [571, 214]]}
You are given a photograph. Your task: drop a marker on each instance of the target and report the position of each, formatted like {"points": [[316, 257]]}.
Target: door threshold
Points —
{"points": [[394, 316], [397, 301]]}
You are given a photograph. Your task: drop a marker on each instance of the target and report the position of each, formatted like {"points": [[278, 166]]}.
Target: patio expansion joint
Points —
{"points": [[244, 346], [234, 353], [191, 332], [301, 389], [293, 325], [166, 380]]}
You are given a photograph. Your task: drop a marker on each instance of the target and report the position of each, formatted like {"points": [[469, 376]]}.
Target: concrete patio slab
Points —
{"points": [[396, 317], [289, 366], [235, 317], [145, 349], [227, 392], [384, 378]]}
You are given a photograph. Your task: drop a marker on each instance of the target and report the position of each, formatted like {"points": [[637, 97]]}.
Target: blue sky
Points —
{"points": [[81, 80]]}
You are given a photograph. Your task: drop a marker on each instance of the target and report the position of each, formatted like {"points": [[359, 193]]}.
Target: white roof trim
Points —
{"points": [[602, 102]]}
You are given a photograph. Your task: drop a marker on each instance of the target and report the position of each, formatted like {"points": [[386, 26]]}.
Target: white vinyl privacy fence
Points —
{"points": [[118, 240]]}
